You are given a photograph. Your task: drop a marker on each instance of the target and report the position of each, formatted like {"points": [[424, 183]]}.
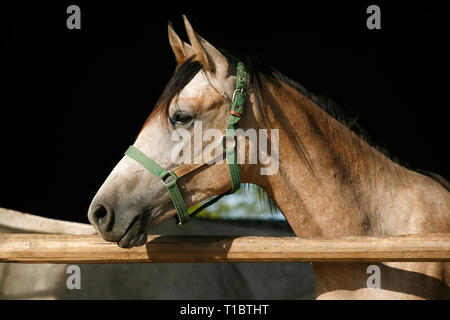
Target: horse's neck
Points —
{"points": [[331, 182]]}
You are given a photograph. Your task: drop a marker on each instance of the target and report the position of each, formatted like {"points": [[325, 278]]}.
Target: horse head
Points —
{"points": [[199, 95]]}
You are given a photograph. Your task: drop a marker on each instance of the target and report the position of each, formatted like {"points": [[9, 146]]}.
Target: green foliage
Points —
{"points": [[246, 203]]}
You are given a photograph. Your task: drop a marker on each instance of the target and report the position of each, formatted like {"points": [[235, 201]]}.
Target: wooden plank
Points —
{"points": [[50, 248]]}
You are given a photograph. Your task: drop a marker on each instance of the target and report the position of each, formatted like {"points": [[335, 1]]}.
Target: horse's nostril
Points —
{"points": [[100, 213], [102, 217]]}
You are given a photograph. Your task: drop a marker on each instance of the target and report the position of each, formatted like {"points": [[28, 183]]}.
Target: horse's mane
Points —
{"points": [[187, 71], [256, 67]]}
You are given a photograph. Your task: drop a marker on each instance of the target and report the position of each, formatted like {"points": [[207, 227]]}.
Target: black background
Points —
{"points": [[73, 100]]}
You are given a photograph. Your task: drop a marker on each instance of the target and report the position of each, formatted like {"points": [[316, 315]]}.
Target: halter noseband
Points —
{"points": [[169, 178]]}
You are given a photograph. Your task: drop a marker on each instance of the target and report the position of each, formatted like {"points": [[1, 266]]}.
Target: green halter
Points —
{"points": [[169, 178]]}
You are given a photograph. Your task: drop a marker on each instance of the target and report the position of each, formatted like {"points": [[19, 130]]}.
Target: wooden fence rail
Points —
{"points": [[51, 248]]}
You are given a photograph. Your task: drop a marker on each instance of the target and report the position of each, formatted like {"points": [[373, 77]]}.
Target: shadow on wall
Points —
{"points": [[169, 280]]}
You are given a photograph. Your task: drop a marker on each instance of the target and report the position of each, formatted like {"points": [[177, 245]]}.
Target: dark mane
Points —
{"points": [[187, 71], [255, 67]]}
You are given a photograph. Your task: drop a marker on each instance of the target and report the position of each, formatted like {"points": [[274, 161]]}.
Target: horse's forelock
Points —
{"points": [[182, 76]]}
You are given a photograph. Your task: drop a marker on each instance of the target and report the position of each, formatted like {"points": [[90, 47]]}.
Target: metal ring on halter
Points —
{"points": [[169, 174], [235, 91]]}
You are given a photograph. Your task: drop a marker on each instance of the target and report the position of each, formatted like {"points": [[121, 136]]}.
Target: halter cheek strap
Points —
{"points": [[169, 178]]}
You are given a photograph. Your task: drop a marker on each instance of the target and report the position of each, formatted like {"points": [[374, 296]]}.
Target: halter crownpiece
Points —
{"points": [[169, 178]]}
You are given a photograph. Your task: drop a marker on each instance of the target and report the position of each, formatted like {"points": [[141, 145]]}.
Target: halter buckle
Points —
{"points": [[235, 92]]}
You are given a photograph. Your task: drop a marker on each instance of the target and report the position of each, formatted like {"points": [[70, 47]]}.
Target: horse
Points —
{"points": [[330, 181]]}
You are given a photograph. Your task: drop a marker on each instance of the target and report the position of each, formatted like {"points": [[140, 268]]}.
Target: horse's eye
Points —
{"points": [[182, 118]]}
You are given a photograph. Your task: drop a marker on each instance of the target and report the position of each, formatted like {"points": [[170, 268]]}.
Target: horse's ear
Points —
{"points": [[181, 49], [211, 58]]}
